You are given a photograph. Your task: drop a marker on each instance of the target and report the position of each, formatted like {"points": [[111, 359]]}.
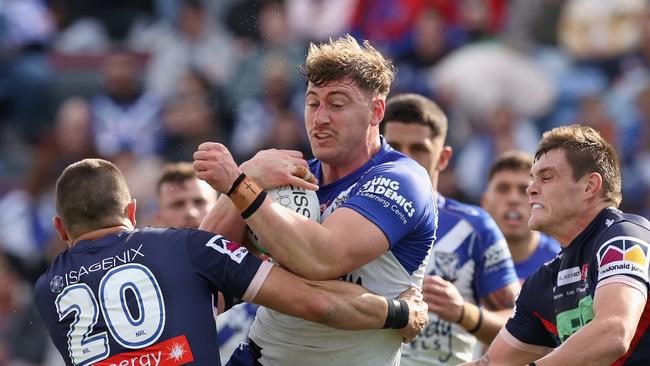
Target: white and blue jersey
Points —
{"points": [[233, 326], [393, 192], [471, 253], [547, 249], [143, 297]]}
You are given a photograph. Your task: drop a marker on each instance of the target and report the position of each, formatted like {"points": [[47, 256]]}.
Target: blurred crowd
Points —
{"points": [[143, 82]]}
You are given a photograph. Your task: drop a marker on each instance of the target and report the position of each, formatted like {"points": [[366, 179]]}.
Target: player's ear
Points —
{"points": [[57, 222], [445, 157], [378, 109], [594, 184], [130, 211]]}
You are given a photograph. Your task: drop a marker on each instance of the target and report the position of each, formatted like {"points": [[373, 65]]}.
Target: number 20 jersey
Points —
{"points": [[557, 300], [143, 297]]}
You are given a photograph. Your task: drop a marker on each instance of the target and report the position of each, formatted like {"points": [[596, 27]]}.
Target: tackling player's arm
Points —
{"points": [[506, 350], [338, 304], [344, 241], [225, 218], [608, 336]]}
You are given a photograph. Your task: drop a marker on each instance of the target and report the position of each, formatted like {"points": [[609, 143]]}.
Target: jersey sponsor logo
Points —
{"points": [[172, 352], [496, 253], [584, 272], [568, 276], [386, 191], [623, 255], [446, 265], [570, 321], [127, 256], [222, 245]]}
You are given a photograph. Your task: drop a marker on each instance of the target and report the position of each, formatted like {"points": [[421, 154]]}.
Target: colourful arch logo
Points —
{"points": [[623, 255]]}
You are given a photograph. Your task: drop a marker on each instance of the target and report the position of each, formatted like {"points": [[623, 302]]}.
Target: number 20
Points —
{"points": [[128, 331]]}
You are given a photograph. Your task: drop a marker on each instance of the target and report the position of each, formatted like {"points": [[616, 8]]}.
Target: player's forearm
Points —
{"points": [[597, 343], [492, 323], [224, 219], [352, 307], [336, 303], [296, 242]]}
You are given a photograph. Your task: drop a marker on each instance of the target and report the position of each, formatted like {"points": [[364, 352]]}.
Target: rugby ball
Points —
{"points": [[296, 199]]}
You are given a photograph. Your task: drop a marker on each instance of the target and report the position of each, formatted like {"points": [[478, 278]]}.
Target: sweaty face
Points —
{"points": [[184, 205], [507, 202], [554, 197], [414, 140], [337, 118]]}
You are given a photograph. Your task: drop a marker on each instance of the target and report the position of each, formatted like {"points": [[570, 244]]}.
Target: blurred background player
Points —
{"points": [[183, 202], [378, 219], [183, 199], [507, 202], [470, 276]]}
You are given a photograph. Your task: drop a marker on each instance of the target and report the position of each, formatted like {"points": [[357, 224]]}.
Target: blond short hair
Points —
{"points": [[346, 58]]}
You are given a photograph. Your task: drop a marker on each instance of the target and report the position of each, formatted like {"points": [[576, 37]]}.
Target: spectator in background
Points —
{"points": [[197, 43], [469, 267], [257, 117], [23, 337], [506, 201], [429, 46], [26, 212], [26, 28], [188, 121], [125, 117], [318, 20], [260, 60], [503, 130]]}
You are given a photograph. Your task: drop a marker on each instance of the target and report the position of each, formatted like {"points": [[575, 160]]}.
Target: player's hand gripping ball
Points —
{"points": [[296, 199]]}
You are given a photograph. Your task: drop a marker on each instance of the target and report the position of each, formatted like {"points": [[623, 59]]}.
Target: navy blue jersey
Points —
{"points": [[547, 249], [557, 300], [143, 296]]}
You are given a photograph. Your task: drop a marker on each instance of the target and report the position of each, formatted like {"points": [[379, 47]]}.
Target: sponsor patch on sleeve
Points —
{"points": [[387, 192], [495, 254], [623, 255], [222, 245]]}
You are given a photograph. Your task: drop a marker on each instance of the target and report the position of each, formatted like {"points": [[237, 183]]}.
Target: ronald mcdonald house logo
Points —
{"points": [[623, 255]]}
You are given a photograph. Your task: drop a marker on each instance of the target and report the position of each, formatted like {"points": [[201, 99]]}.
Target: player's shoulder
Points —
{"points": [[49, 280], [613, 223], [475, 216]]}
